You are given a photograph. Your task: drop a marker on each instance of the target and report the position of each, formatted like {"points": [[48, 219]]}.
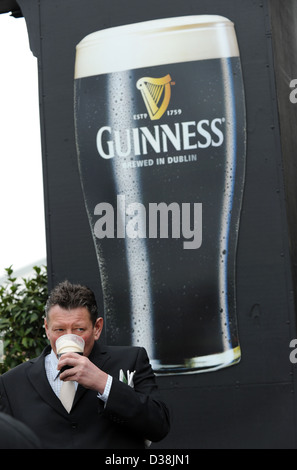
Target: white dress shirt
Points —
{"points": [[51, 363]]}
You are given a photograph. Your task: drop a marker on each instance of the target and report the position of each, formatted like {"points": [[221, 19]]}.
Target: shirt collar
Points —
{"points": [[53, 364], [54, 360]]}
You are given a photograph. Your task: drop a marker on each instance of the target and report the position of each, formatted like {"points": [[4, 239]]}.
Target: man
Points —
{"points": [[106, 412]]}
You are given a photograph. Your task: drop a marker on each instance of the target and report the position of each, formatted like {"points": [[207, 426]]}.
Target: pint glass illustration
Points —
{"points": [[161, 142]]}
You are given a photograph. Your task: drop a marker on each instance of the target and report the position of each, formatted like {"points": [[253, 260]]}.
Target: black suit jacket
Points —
{"points": [[130, 415]]}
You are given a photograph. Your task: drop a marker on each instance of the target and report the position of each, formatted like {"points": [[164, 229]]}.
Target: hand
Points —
{"points": [[82, 371]]}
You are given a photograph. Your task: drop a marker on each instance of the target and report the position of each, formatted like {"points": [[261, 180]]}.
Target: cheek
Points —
{"points": [[89, 341], [86, 339], [52, 339], [52, 336]]}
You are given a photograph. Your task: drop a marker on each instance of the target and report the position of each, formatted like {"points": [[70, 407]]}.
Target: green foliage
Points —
{"points": [[21, 317]]}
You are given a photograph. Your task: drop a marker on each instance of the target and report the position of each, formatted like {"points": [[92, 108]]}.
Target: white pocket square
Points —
{"points": [[127, 380]]}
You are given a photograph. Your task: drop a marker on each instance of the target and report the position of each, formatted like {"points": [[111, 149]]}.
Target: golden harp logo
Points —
{"points": [[156, 94]]}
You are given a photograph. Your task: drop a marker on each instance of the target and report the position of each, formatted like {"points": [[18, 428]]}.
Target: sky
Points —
{"points": [[22, 228]]}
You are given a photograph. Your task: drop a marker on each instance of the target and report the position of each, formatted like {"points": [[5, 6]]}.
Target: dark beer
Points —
{"points": [[160, 129]]}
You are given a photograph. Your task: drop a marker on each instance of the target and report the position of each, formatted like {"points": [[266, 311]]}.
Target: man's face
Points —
{"points": [[76, 321]]}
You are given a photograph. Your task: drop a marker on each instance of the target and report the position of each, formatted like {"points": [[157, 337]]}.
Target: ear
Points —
{"points": [[98, 327]]}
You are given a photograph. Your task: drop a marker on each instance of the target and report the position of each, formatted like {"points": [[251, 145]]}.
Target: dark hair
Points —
{"points": [[70, 296]]}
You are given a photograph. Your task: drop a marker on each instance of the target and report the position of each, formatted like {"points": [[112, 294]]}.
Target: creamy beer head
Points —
{"points": [[156, 42], [69, 343]]}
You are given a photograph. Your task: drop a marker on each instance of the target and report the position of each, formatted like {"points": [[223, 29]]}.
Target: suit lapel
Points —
{"points": [[37, 376], [99, 355]]}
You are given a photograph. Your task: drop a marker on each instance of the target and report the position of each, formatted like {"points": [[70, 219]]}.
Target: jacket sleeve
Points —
{"points": [[140, 408]]}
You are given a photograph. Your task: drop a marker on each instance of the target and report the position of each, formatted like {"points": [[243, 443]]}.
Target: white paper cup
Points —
{"points": [[69, 343]]}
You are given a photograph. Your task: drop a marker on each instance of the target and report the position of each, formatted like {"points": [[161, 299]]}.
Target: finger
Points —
{"points": [[67, 361], [68, 355], [68, 374]]}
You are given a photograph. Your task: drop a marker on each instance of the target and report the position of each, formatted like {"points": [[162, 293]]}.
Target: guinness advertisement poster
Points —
{"points": [[162, 150], [164, 192]]}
